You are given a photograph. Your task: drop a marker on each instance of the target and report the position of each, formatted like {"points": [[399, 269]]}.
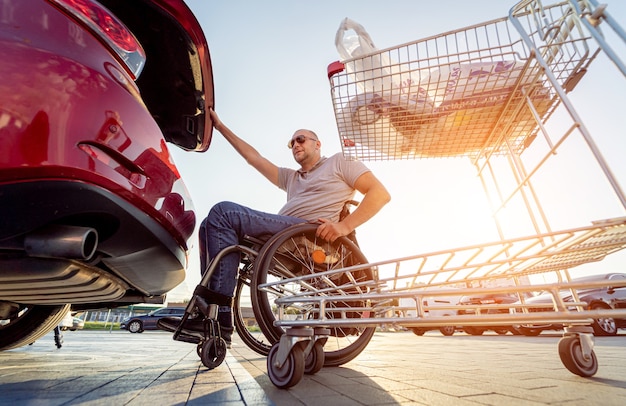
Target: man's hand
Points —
{"points": [[331, 231], [217, 123]]}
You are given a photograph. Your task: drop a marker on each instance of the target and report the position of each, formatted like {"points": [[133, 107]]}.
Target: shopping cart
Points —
{"points": [[498, 94]]}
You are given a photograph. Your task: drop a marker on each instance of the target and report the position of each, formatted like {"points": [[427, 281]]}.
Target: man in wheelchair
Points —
{"points": [[315, 193]]}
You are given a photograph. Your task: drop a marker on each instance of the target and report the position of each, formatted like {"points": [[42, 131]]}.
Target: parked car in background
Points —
{"points": [[488, 299], [612, 296], [71, 323], [94, 211], [431, 309], [137, 324]]}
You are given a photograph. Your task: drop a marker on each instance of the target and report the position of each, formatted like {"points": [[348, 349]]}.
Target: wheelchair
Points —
{"points": [[290, 253]]}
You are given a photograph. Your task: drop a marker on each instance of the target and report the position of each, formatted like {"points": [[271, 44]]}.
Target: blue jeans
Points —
{"points": [[226, 225]]}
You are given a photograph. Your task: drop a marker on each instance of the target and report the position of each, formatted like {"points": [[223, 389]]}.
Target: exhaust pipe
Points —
{"points": [[59, 241]]}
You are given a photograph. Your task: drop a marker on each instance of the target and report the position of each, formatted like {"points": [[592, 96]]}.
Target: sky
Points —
{"points": [[269, 66]]}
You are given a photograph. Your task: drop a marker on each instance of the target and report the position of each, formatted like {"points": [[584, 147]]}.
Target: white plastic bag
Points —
{"points": [[373, 71]]}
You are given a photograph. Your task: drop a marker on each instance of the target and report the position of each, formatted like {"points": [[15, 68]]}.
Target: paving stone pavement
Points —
{"points": [[397, 368]]}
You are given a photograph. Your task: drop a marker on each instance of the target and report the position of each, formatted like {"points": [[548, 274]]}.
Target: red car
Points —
{"points": [[93, 210]]}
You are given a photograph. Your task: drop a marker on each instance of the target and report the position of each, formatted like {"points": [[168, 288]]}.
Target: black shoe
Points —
{"points": [[188, 339], [193, 330], [192, 327]]}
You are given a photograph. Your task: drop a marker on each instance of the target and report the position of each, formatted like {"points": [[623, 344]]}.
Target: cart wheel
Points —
{"points": [[315, 360], [199, 348], [292, 370], [571, 355], [213, 352]]}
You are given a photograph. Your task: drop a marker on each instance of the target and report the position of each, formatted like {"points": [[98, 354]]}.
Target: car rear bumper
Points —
{"points": [[134, 250]]}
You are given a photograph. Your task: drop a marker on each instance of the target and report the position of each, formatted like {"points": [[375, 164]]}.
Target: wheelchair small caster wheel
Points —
{"points": [[571, 354], [213, 352], [315, 360], [292, 370]]}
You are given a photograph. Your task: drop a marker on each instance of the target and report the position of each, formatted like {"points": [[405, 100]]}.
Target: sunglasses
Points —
{"points": [[299, 139]]}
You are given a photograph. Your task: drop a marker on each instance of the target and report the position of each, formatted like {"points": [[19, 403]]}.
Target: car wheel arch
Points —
{"points": [[598, 303]]}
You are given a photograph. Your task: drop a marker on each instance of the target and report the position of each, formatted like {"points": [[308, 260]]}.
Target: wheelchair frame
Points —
{"points": [[211, 347]]}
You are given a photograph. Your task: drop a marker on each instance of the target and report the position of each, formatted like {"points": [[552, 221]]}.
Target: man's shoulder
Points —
{"points": [[345, 161], [286, 170], [339, 156]]}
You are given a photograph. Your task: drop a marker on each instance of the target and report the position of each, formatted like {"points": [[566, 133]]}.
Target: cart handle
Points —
{"points": [[335, 68]]}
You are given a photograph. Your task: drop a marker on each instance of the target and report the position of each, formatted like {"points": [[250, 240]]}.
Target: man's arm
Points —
{"points": [[375, 196], [249, 153]]}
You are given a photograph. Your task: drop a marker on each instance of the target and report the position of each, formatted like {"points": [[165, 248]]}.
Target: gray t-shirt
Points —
{"points": [[322, 191]]}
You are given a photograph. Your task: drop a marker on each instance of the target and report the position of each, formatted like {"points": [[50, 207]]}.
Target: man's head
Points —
{"points": [[305, 147]]}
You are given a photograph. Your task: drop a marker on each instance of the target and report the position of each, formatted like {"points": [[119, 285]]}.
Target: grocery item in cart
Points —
{"points": [[448, 109]]}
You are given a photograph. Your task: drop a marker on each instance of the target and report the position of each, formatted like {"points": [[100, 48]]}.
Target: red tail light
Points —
{"points": [[110, 29]]}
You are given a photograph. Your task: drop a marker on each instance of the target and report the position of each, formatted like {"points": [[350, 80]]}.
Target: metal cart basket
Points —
{"points": [[498, 94]]}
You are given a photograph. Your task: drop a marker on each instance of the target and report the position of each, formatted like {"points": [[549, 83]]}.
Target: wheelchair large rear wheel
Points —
{"points": [[296, 251], [247, 328]]}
